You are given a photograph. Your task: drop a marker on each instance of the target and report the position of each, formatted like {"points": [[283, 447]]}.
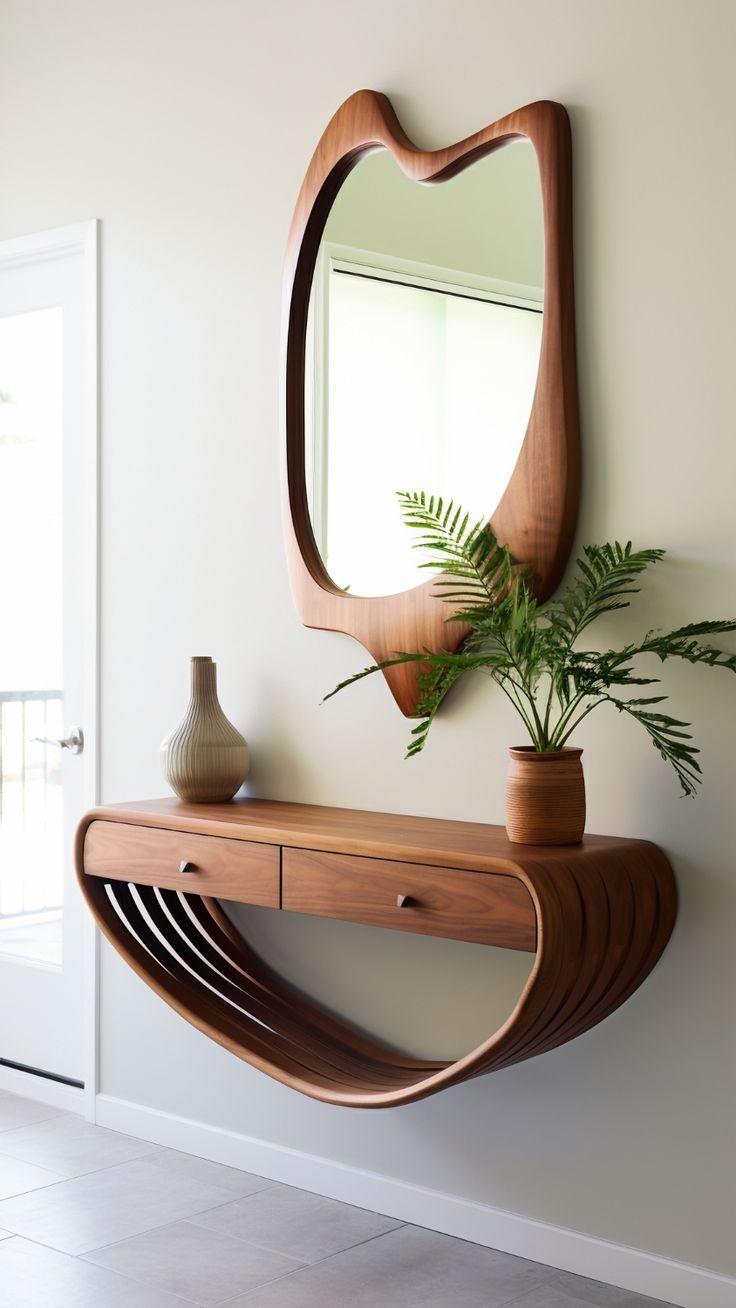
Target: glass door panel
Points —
{"points": [[31, 693], [47, 364]]}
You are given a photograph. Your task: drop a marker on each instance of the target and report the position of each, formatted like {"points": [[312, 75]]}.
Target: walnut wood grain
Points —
{"points": [[604, 911], [483, 909], [218, 927], [225, 869], [475, 846], [537, 513]]}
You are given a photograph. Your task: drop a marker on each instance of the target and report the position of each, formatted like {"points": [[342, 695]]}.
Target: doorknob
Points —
{"points": [[74, 742]]}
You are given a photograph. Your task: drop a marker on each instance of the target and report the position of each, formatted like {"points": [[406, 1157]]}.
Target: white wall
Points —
{"points": [[186, 128]]}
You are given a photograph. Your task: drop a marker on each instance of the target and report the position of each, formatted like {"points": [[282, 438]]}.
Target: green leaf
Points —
{"points": [[670, 737], [375, 667], [683, 644], [529, 649], [469, 553], [605, 580]]}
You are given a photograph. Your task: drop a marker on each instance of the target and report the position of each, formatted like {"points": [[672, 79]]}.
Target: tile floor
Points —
{"points": [[93, 1219]]}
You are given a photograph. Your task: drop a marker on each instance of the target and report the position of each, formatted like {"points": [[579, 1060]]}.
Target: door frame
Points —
{"points": [[82, 239]]}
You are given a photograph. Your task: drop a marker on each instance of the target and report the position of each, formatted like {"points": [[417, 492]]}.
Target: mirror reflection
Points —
{"points": [[423, 341]]}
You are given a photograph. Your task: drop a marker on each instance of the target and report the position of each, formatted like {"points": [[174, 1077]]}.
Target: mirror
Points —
{"points": [[428, 343], [422, 354]]}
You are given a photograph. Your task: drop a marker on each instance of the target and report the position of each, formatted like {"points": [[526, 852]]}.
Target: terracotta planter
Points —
{"points": [[545, 797], [205, 760]]}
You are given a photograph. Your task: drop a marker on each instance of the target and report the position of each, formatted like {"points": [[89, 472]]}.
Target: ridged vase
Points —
{"points": [[205, 759], [545, 797]]}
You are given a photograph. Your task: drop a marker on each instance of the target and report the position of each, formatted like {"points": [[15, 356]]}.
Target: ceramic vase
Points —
{"points": [[545, 797], [205, 760]]}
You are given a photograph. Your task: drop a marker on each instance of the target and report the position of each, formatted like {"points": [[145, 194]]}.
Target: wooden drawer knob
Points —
{"points": [[405, 901], [186, 866]]}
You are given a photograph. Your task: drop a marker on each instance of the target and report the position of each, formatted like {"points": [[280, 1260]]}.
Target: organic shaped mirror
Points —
{"points": [[423, 338], [429, 345]]}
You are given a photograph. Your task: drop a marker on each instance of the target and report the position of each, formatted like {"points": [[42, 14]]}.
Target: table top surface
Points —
{"points": [[437, 841]]}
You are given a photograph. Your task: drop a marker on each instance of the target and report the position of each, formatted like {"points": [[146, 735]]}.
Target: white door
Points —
{"points": [[48, 424]]}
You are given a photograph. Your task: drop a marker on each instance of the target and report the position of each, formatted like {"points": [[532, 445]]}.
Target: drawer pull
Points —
{"points": [[405, 901], [186, 866]]}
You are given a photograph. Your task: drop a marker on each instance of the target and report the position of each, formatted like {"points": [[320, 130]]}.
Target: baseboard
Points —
{"points": [[70, 1098], [631, 1269]]}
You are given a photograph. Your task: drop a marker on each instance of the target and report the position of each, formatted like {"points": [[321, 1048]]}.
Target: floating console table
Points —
{"points": [[598, 916]]}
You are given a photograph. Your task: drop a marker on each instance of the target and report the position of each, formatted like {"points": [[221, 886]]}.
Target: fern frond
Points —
{"points": [[436, 661], [590, 672], [670, 737], [375, 667], [683, 643], [479, 569], [434, 687], [605, 580]]}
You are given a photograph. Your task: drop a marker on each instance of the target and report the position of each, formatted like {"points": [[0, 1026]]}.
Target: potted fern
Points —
{"points": [[532, 652]]}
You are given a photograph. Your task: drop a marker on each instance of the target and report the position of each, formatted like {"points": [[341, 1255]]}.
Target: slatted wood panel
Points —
{"points": [[604, 912]]}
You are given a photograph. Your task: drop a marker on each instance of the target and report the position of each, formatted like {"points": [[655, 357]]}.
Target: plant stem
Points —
{"points": [[541, 733], [519, 708], [561, 730], [548, 709], [539, 737], [596, 704]]}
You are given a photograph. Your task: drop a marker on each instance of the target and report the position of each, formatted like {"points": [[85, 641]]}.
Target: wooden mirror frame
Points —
{"points": [[537, 513]]}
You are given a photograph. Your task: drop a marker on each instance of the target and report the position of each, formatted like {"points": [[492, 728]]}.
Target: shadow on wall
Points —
{"points": [[431, 998]]}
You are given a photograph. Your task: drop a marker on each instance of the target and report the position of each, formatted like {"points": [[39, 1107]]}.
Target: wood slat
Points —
{"points": [[288, 1023], [156, 963], [242, 953]]}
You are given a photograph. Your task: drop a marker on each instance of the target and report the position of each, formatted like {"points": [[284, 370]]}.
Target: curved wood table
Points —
{"points": [[598, 915]]}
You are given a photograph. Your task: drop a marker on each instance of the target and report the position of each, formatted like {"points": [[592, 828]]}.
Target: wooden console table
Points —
{"points": [[597, 915]]}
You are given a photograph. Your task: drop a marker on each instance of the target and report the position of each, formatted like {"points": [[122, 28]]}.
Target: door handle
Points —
{"points": [[74, 742]]}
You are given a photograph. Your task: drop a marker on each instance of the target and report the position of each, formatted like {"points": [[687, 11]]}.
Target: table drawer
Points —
{"points": [[150, 856], [485, 908]]}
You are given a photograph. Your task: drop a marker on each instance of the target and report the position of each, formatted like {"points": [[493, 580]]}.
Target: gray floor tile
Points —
{"points": [[34, 1277], [16, 1177], [88, 1212], [155, 1228], [585, 1292], [70, 1146], [554, 1295], [15, 1112], [548, 1296], [199, 1169], [189, 1260], [305, 1226], [410, 1267]]}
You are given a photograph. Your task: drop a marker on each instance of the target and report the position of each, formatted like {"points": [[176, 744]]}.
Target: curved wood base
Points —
{"points": [[604, 914]]}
